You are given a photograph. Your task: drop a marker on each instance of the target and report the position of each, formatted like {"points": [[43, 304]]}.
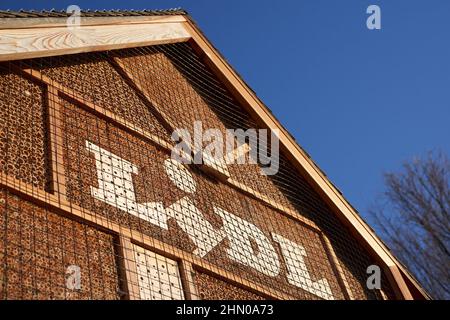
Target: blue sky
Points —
{"points": [[359, 101]]}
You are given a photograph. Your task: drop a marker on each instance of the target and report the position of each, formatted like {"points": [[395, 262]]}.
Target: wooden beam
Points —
{"points": [[129, 266], [340, 274], [52, 22], [187, 278], [58, 181], [210, 166], [18, 44], [401, 289], [136, 85], [97, 110]]}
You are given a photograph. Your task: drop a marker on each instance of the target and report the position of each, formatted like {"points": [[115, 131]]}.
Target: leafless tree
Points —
{"points": [[413, 218]]}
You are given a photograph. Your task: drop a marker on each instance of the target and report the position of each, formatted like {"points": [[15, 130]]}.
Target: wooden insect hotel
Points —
{"points": [[93, 204]]}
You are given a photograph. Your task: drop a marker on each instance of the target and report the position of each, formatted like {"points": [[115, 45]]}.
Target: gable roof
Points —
{"points": [[148, 27]]}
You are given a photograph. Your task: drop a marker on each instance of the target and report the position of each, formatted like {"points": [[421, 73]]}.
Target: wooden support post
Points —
{"points": [[58, 178], [398, 283], [342, 279], [187, 278], [129, 263]]}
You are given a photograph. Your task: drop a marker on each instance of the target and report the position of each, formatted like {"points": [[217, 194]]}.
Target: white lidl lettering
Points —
{"points": [[298, 275], [115, 187]]}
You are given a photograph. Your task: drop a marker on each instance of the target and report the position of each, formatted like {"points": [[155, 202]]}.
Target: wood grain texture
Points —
{"points": [[46, 22], [18, 44], [58, 180], [129, 268]]}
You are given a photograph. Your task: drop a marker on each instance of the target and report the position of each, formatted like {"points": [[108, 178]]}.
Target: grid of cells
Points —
{"points": [[97, 82], [94, 154], [40, 250], [22, 128], [158, 276], [212, 288]]}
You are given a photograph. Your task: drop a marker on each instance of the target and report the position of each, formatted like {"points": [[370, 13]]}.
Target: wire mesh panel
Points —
{"points": [[158, 277], [212, 288], [47, 256], [23, 133], [87, 158]]}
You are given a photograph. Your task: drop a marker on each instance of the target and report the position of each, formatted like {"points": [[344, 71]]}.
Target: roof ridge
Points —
{"points": [[44, 13]]}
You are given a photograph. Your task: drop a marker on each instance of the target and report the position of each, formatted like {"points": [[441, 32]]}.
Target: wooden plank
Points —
{"points": [[99, 111], [18, 44], [342, 279], [58, 182], [412, 282], [130, 271], [52, 22], [209, 166], [136, 84], [187, 279], [401, 289]]}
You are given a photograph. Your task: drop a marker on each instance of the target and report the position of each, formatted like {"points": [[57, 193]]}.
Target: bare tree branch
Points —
{"points": [[414, 219]]}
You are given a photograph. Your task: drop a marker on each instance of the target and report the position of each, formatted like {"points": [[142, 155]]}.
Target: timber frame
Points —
{"points": [[25, 38]]}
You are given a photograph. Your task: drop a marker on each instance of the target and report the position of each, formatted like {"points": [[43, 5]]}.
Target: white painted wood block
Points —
{"points": [[158, 276]]}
